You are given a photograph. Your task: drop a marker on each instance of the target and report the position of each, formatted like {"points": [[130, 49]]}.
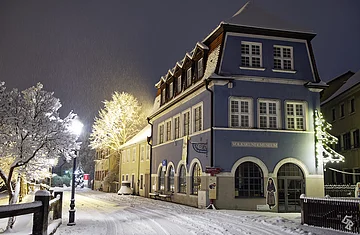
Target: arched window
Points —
{"points": [[249, 180], [171, 185], [161, 180], [182, 179], [196, 179]]}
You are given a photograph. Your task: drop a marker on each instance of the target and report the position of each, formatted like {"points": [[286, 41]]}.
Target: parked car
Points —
{"points": [[125, 188]]}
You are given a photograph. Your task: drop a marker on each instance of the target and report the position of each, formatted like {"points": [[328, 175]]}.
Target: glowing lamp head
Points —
{"points": [[76, 127]]}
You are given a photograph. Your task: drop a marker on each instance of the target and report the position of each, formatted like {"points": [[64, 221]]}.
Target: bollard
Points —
{"points": [[40, 219], [57, 214]]}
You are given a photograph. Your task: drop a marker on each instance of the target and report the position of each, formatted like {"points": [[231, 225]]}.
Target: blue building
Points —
{"points": [[234, 119]]}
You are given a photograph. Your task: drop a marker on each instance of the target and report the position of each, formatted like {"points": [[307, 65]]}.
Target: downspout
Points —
{"points": [[148, 141], [211, 122]]}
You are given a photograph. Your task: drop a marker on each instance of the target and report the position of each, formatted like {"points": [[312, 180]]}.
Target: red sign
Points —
{"points": [[86, 176]]}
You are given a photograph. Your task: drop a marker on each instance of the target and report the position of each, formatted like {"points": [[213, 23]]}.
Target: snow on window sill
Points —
{"points": [[283, 71], [253, 68]]}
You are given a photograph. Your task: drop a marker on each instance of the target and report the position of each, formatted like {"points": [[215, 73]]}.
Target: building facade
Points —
{"points": [[106, 170], [241, 102], [135, 162], [341, 108]]}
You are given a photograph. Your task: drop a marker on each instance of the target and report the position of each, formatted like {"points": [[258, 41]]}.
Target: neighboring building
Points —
{"points": [[135, 162], [106, 170], [341, 108], [243, 101]]}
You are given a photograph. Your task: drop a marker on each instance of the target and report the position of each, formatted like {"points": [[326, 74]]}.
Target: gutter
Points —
{"points": [[211, 123], [150, 144]]}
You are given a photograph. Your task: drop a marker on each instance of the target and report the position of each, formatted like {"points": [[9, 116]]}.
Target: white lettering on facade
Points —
{"points": [[254, 144]]}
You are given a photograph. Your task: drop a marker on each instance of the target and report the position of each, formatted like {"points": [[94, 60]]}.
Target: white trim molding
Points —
{"points": [[195, 160], [255, 160], [293, 161]]}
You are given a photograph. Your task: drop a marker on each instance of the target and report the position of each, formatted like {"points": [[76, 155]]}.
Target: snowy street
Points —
{"points": [[108, 213]]}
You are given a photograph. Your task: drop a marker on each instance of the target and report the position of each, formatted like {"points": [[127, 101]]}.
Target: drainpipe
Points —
{"points": [[211, 122], [148, 141]]}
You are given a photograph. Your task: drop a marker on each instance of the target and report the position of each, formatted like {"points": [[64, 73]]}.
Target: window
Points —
{"points": [[132, 181], [352, 105], [342, 110], [251, 54], [182, 179], [142, 152], [122, 177], [171, 173], [333, 112], [197, 111], [163, 95], [128, 155], [188, 77], [127, 178], [295, 115], [196, 179], [249, 181], [147, 152], [161, 180], [179, 84], [186, 120], [346, 141], [134, 154], [240, 112], [171, 90], [161, 133], [356, 138], [200, 68], [177, 127], [141, 181], [269, 114], [168, 130], [338, 144], [283, 58]]}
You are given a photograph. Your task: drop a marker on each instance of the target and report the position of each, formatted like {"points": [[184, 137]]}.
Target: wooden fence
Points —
{"points": [[338, 214], [41, 207]]}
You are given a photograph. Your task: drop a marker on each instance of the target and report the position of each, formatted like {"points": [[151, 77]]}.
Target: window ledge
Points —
{"points": [[283, 71], [253, 68]]}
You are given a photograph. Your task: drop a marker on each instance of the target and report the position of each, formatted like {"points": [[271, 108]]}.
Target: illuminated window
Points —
{"points": [[283, 58], [161, 180], [251, 54], [249, 181], [241, 112], [196, 179], [182, 179], [171, 174], [186, 123]]}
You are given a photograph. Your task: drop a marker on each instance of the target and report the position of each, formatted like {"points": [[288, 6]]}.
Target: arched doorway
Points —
{"points": [[291, 184]]}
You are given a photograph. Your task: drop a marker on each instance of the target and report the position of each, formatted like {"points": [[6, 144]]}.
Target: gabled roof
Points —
{"points": [[251, 15], [139, 137], [350, 83]]}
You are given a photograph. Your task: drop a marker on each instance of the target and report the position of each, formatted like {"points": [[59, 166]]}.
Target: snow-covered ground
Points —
{"points": [[101, 213]]}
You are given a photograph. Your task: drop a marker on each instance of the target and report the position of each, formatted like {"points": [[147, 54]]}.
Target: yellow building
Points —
{"points": [[135, 162], [106, 170]]}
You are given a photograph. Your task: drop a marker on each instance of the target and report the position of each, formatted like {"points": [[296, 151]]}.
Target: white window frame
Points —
{"points": [[295, 116], [183, 122], [250, 114], [278, 114], [171, 90], [199, 105], [159, 133], [166, 134], [163, 95], [179, 127], [188, 77], [282, 58], [179, 84], [200, 68], [142, 152], [128, 155], [134, 154], [351, 111], [250, 55]]}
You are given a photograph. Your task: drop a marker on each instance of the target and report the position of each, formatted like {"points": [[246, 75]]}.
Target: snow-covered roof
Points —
{"points": [[351, 82], [250, 15], [139, 137]]}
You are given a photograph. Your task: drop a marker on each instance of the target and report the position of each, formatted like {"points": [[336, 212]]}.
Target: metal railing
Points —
{"points": [[338, 214], [41, 208], [340, 190]]}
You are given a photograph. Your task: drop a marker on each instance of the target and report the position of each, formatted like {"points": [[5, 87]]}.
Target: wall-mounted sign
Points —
{"points": [[212, 187], [254, 144]]}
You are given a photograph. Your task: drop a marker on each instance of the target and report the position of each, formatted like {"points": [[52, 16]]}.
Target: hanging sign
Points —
{"points": [[199, 147]]}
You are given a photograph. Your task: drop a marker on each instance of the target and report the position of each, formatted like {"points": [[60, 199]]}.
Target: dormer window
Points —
{"points": [[171, 89], [200, 68], [188, 77], [179, 84], [251, 55], [163, 95]]}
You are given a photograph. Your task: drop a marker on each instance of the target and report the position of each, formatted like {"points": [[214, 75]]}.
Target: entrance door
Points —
{"points": [[291, 184]]}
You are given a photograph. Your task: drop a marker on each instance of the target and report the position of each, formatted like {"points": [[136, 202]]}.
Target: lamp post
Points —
{"points": [[76, 129]]}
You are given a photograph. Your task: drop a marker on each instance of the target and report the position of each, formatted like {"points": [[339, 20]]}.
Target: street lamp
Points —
{"points": [[76, 128]]}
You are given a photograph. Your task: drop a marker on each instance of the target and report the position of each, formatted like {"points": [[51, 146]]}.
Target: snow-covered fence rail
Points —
{"points": [[340, 190], [335, 213], [40, 207]]}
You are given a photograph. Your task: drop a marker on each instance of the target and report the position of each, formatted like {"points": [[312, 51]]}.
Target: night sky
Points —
{"points": [[84, 50]]}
